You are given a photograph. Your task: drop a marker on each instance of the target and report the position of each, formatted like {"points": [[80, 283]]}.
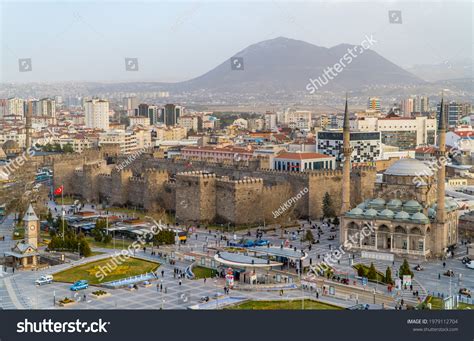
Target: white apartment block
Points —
{"points": [[15, 106], [97, 114], [300, 120], [126, 140], [405, 133], [189, 122], [270, 121]]}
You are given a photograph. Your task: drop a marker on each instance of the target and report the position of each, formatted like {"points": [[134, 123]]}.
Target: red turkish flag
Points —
{"points": [[58, 190]]}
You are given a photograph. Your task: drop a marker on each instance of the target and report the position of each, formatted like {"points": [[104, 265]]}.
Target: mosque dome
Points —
{"points": [[420, 217], [409, 167], [377, 202], [370, 213], [355, 212], [402, 215], [394, 203], [386, 214], [413, 204], [10, 145]]}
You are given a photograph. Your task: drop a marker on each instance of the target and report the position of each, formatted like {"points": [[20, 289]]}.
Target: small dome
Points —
{"points": [[402, 215], [370, 213], [431, 212], [409, 167], [420, 217], [10, 144], [395, 203], [386, 213], [363, 205], [355, 211], [412, 204], [377, 202]]}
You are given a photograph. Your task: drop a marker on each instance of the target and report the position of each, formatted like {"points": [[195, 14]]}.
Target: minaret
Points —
{"points": [[28, 129], [441, 158], [346, 168]]}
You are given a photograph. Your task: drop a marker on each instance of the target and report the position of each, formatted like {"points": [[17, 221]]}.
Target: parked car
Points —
{"points": [[45, 279], [261, 242], [79, 285], [470, 264], [466, 260], [465, 292]]}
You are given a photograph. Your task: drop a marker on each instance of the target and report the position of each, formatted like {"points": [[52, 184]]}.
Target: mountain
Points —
{"points": [[448, 70], [283, 64]]}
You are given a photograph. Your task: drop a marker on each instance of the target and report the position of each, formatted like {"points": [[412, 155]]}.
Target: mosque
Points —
{"points": [[409, 214]]}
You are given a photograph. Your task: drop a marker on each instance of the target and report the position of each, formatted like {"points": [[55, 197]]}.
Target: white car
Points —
{"points": [[46, 279], [470, 264]]}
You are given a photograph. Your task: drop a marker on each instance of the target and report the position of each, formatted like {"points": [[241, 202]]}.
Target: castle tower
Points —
{"points": [[441, 157], [346, 170], [31, 224]]}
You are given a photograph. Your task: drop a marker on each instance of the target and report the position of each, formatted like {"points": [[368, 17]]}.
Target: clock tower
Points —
{"points": [[31, 223]]}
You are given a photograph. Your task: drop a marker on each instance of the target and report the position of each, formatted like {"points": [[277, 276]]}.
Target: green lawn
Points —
{"points": [[284, 305], [380, 276], [129, 267], [201, 272]]}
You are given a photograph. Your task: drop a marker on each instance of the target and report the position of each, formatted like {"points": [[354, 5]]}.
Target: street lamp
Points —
{"points": [[217, 294]]}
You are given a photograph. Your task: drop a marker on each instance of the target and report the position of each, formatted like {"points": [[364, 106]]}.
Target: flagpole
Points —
{"points": [[62, 204]]}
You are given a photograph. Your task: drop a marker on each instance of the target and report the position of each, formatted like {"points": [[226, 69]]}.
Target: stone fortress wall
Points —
{"points": [[238, 193]]}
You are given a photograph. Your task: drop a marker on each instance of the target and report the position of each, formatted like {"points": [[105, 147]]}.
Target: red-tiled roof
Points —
{"points": [[464, 133]]}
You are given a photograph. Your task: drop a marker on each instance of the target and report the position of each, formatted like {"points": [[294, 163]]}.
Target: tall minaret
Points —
{"points": [[28, 128], [441, 155], [346, 168]]}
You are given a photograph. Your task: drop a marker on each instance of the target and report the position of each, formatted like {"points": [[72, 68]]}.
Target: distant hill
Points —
{"points": [[284, 64]]}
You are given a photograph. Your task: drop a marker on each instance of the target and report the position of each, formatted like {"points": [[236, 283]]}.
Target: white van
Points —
{"points": [[46, 279]]}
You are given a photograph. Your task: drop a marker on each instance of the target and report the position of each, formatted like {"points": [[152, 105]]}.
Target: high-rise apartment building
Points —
{"points": [[97, 114], [407, 106], [373, 103], [47, 107], [172, 113], [300, 120], [455, 112], [130, 104], [16, 106], [270, 121]]}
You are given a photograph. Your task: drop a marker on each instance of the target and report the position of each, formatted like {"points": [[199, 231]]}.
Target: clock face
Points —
{"points": [[32, 227]]}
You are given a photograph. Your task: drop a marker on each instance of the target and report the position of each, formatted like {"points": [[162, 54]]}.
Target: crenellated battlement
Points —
{"points": [[240, 181], [197, 174]]}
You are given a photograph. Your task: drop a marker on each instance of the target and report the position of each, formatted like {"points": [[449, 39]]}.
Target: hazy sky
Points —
{"points": [[174, 41]]}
